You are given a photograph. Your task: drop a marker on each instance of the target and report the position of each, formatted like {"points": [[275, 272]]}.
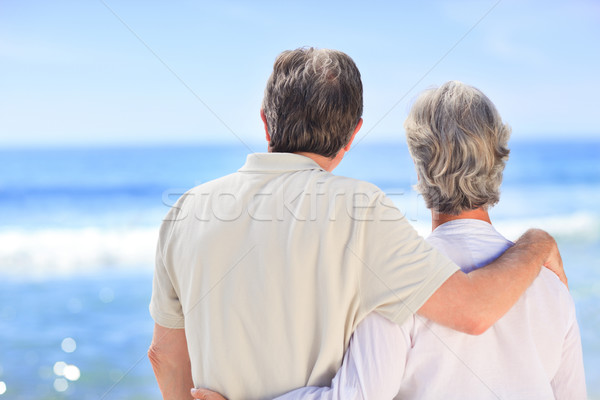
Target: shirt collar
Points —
{"points": [[459, 226], [278, 162]]}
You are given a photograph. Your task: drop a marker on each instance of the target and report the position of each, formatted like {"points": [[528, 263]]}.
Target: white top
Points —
{"points": [[270, 270], [533, 352]]}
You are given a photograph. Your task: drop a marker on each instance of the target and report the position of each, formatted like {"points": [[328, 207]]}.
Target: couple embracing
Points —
{"points": [[285, 281]]}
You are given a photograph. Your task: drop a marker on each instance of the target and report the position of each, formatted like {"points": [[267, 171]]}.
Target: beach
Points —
{"points": [[78, 228]]}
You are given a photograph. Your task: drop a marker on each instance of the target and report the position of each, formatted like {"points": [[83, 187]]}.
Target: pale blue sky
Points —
{"points": [[72, 74]]}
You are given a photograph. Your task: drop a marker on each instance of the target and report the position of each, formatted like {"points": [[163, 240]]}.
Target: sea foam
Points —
{"points": [[49, 253]]}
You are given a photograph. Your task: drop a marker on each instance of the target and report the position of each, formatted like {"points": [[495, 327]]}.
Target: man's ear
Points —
{"points": [[264, 119], [358, 126]]}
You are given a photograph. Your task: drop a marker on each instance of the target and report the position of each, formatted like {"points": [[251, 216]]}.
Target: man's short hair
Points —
{"points": [[313, 101], [459, 145]]}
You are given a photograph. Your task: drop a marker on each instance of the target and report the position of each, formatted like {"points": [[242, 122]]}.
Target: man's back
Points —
{"points": [[270, 269]]}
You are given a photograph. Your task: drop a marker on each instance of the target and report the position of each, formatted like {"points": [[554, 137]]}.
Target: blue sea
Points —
{"points": [[78, 228]]}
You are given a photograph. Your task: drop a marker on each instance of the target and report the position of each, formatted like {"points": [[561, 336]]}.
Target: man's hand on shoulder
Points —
{"points": [[553, 260]]}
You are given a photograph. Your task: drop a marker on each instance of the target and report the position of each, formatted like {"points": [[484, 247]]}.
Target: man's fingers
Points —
{"points": [[555, 264], [205, 394], [560, 273]]}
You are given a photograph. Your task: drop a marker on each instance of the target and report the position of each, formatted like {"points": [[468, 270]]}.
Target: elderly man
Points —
{"points": [[262, 276], [459, 145]]}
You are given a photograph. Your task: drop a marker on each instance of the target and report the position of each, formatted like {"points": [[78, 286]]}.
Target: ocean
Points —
{"points": [[78, 227]]}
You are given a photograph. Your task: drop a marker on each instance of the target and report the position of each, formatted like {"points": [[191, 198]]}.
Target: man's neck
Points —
{"points": [[438, 219], [327, 163]]}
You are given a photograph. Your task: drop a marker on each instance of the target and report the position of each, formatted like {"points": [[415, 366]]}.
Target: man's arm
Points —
{"points": [[170, 360], [471, 303]]}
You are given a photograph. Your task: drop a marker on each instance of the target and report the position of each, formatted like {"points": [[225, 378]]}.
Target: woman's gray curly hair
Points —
{"points": [[459, 145]]}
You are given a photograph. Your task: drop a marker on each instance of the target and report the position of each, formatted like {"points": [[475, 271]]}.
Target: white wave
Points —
{"points": [[47, 253], [581, 226]]}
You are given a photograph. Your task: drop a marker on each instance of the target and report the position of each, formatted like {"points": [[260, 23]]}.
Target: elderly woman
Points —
{"points": [[459, 145]]}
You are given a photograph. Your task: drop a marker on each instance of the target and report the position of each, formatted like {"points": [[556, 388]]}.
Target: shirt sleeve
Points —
{"points": [[373, 365], [569, 380], [399, 269], [165, 307]]}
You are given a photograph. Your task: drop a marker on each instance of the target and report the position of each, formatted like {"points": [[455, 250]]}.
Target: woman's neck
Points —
{"points": [[438, 219]]}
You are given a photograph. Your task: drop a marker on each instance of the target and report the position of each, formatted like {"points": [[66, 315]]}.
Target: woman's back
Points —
{"points": [[533, 352]]}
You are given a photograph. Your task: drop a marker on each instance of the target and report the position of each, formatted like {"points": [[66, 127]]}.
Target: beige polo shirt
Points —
{"points": [[270, 270]]}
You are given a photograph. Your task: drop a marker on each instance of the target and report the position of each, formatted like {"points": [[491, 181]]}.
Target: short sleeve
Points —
{"points": [[400, 270], [165, 306]]}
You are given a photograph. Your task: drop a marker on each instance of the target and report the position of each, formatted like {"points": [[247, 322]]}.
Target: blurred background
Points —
{"points": [[111, 110]]}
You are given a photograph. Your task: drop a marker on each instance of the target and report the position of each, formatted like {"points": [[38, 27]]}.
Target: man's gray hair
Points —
{"points": [[313, 101], [459, 145]]}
